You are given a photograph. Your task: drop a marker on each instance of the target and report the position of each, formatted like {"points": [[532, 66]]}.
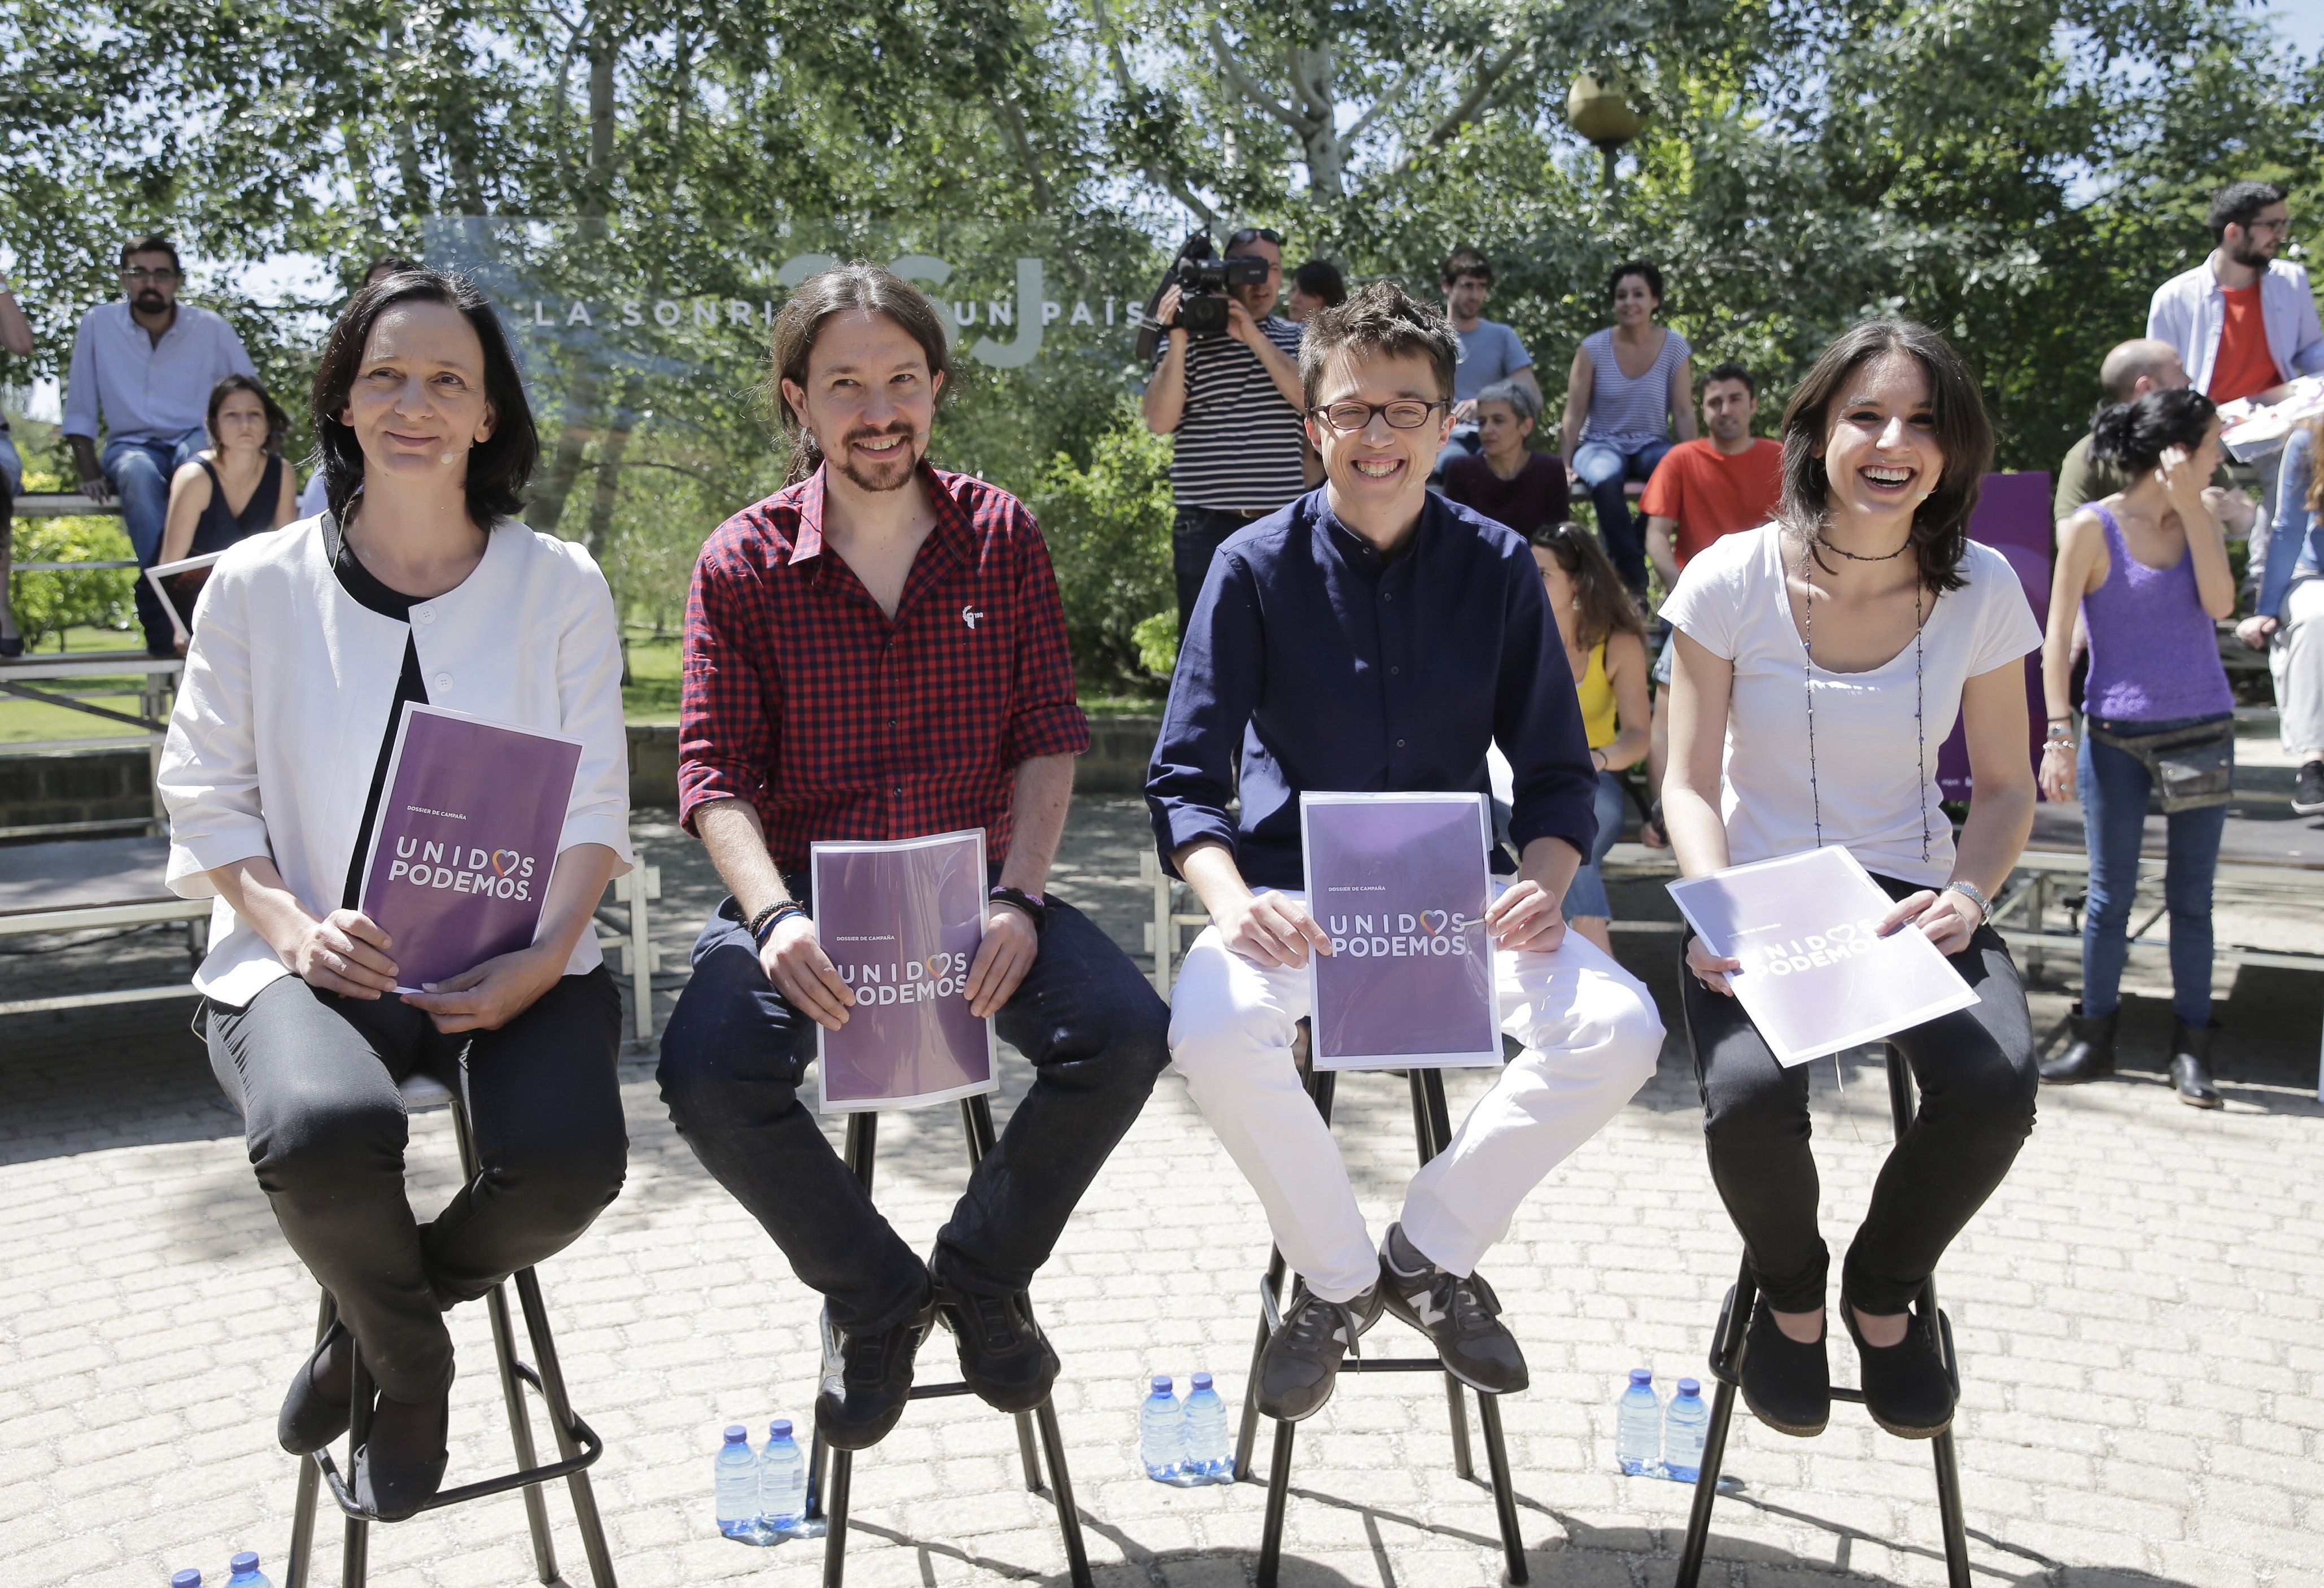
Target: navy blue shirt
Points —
{"points": [[1318, 664]]}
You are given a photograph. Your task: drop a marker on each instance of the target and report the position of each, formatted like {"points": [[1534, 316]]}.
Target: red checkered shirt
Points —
{"points": [[802, 697]]}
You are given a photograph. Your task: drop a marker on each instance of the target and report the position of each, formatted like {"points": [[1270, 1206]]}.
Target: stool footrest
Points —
{"points": [[591, 1448], [938, 1391]]}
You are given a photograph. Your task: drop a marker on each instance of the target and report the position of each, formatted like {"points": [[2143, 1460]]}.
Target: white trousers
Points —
{"points": [[1590, 1037], [2296, 659]]}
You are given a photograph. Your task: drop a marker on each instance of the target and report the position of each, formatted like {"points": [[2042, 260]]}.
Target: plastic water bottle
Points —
{"points": [[1210, 1457], [246, 1574], [782, 1481], [1638, 1425], [1162, 1433], [1686, 1421], [736, 1487], [189, 1578]]}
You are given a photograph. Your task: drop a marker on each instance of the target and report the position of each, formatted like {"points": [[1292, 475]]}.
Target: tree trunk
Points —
{"points": [[581, 396]]}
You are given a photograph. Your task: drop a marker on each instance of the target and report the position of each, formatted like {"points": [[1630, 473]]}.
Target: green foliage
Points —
{"points": [[48, 603], [1107, 522]]}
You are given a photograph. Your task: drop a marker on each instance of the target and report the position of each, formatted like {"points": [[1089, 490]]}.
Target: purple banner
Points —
{"points": [[2013, 517], [1399, 882], [903, 922], [466, 840]]}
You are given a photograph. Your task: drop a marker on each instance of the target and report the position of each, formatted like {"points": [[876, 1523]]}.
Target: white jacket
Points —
{"points": [[286, 696]]}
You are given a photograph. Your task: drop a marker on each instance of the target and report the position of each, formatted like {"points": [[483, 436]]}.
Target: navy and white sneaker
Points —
{"points": [[1301, 1363], [1460, 1317]]}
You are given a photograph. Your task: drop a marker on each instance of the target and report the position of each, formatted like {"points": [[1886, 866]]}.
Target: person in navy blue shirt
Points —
{"points": [[1374, 637]]}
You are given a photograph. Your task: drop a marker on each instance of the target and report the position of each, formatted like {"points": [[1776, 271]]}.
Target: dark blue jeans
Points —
{"points": [[2114, 787], [1603, 470], [736, 1051], [140, 473], [1195, 536]]}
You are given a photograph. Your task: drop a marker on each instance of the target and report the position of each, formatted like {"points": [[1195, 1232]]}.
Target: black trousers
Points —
{"points": [[732, 1062], [1976, 1072], [1196, 533], [317, 1075]]}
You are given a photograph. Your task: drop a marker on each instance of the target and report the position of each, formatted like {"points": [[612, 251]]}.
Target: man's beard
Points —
{"points": [[2249, 256], [893, 474], [151, 301]]}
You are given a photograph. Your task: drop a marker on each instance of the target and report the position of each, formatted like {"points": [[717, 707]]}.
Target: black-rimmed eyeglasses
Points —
{"points": [[1405, 413]]}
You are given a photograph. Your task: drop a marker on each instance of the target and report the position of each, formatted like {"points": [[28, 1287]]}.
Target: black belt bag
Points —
{"points": [[2192, 768]]}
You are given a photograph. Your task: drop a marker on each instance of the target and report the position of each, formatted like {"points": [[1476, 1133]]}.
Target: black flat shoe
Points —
{"points": [[1786, 1385], [395, 1490], [1905, 1386], [309, 1419]]}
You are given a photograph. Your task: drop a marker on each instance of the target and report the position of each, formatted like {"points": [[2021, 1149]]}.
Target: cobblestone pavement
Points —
{"points": [[2137, 1310]]}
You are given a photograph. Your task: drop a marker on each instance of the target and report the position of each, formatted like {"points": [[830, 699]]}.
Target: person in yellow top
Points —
{"points": [[1606, 646]]}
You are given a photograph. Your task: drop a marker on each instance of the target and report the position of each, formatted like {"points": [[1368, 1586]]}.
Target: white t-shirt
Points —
{"points": [[1872, 765]]}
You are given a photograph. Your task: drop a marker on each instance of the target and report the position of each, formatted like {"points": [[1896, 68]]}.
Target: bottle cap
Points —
{"points": [[247, 1561], [1642, 1375], [780, 1427], [1202, 1380], [187, 1579], [736, 1434], [1162, 1384], [1689, 1387]]}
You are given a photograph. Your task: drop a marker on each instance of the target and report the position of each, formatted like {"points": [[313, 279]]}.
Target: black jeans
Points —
{"points": [[1195, 536], [1975, 1069], [317, 1075], [732, 1062]]}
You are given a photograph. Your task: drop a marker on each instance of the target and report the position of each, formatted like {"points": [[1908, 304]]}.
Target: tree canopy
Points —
{"points": [[2020, 173]]}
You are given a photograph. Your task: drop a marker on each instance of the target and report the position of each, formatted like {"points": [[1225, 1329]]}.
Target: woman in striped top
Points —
{"points": [[1629, 387]]}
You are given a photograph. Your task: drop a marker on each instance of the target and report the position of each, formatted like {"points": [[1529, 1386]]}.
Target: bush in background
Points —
{"points": [[1107, 527], [47, 603]]}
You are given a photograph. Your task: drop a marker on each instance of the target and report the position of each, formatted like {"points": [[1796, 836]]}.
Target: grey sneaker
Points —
{"points": [[1302, 1359], [1461, 1318]]}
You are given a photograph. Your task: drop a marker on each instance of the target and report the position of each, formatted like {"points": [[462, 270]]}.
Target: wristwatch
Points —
{"points": [[1034, 906], [1975, 895]]}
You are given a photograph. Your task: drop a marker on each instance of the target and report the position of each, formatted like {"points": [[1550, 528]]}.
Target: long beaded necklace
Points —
{"points": [[1807, 649]]}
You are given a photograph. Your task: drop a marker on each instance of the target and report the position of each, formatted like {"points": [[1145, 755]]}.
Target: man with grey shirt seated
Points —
{"points": [[1490, 351]]}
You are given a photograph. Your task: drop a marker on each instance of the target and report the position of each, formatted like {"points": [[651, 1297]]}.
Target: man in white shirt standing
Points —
{"points": [[144, 365]]}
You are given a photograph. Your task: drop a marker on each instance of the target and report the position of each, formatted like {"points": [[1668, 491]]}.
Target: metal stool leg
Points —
{"points": [[552, 1375], [1505, 1498], [355, 1554], [1278, 1492], [1726, 1359], [310, 1483], [834, 1541], [1431, 1130], [535, 1508], [1248, 1434], [1061, 1488]]}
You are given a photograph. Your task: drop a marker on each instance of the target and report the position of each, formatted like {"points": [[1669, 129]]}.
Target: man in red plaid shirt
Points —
{"points": [[877, 651]]}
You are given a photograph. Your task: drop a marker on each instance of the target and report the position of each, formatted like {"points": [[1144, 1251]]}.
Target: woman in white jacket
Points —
{"points": [[416, 587]]}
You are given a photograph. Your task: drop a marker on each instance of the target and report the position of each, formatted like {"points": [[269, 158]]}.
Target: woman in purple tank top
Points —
{"points": [[2147, 570]]}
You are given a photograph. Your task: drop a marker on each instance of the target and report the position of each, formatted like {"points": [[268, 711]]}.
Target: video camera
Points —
{"points": [[1202, 282]]}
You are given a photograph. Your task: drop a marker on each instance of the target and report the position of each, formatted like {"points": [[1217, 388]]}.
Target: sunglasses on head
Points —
{"points": [[1255, 234]]}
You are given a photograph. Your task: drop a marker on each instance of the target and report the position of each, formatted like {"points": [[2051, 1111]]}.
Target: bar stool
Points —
{"points": [[1432, 1131], [1726, 1366], [578, 1445], [827, 1502]]}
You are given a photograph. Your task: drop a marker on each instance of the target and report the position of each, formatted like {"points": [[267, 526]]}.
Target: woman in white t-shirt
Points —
{"points": [[1822, 660]]}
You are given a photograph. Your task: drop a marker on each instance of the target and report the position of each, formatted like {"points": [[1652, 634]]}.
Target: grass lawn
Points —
{"points": [[24, 722]]}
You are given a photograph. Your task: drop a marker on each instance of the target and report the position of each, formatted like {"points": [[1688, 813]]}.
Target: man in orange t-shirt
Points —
{"points": [[1727, 481]]}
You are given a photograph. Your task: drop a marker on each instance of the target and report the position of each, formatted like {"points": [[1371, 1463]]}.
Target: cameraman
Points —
{"points": [[1234, 403]]}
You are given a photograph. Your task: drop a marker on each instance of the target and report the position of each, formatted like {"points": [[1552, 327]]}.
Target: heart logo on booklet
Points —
{"points": [[1440, 918], [513, 857]]}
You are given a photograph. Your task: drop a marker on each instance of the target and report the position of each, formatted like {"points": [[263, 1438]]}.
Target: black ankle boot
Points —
{"points": [[2088, 1052], [2190, 1066]]}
